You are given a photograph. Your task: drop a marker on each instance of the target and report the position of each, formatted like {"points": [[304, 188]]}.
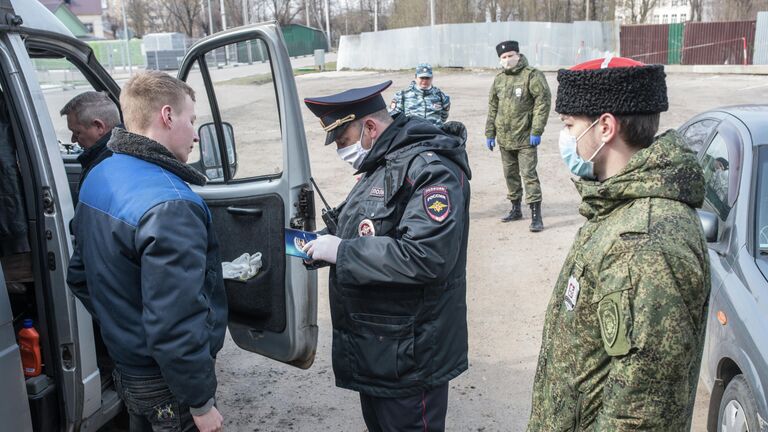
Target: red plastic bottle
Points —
{"points": [[29, 345]]}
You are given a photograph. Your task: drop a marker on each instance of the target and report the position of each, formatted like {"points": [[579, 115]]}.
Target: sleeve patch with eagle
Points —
{"points": [[437, 203]]}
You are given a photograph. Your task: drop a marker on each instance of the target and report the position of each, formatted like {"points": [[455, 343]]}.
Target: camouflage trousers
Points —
{"points": [[520, 171]]}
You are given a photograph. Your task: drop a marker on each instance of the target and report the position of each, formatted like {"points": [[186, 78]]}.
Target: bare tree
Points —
{"points": [[637, 10], [696, 9], [138, 14], [183, 15], [737, 10]]}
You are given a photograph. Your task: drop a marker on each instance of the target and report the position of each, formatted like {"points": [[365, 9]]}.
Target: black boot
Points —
{"points": [[515, 214], [536, 223]]}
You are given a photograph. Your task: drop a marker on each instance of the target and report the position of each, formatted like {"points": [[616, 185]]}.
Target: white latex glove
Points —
{"points": [[323, 248], [243, 268]]}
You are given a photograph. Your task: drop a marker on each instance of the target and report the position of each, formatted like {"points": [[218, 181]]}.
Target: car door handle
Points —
{"points": [[239, 211]]}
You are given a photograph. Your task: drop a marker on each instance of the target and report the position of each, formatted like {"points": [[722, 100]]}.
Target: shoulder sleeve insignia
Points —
{"points": [[613, 327], [608, 314], [437, 204]]}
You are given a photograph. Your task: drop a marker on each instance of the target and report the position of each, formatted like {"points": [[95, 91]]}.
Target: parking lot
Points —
{"points": [[511, 271]]}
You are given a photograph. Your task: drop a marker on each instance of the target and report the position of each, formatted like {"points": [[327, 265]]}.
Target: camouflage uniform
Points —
{"points": [[624, 330], [431, 104], [518, 107]]}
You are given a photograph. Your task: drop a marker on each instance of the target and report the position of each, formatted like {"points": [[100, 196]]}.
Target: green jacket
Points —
{"points": [[518, 106], [624, 330]]}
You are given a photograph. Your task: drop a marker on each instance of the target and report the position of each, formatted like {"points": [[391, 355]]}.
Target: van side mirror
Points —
{"points": [[210, 157], [709, 223]]}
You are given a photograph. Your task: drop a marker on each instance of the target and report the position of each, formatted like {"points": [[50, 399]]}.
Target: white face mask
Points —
{"points": [[354, 154], [509, 62]]}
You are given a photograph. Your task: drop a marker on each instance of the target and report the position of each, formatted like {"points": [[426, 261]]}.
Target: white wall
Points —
{"points": [[761, 39], [474, 45]]}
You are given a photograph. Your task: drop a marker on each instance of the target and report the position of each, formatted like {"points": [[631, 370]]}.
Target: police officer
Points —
{"points": [[624, 328], [398, 261], [518, 110], [422, 99]]}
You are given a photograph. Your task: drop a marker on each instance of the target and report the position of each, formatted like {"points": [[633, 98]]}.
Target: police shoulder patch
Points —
{"points": [[437, 203]]}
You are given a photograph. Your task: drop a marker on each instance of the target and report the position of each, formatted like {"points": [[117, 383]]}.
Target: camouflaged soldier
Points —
{"points": [[422, 99], [624, 329], [518, 110]]}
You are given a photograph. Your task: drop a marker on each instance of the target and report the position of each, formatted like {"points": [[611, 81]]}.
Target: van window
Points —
{"points": [[60, 81], [245, 90]]}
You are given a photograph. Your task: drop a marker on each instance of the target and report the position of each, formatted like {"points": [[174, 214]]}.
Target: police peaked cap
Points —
{"points": [[337, 111], [507, 46], [613, 85]]}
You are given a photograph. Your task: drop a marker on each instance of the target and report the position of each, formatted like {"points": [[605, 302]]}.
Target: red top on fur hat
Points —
{"points": [[608, 62], [615, 85]]}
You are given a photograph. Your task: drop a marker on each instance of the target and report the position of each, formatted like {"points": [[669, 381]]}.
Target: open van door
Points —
{"points": [[253, 150]]}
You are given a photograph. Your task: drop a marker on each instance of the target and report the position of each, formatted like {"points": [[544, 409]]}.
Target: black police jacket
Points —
{"points": [[398, 289]]}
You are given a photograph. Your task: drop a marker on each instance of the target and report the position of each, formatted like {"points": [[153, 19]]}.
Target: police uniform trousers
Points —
{"points": [[520, 171], [422, 412]]}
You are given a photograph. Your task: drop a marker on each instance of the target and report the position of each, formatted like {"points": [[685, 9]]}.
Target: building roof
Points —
{"points": [[78, 7]]}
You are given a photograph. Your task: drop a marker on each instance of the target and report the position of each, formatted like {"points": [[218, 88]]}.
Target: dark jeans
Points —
{"points": [[151, 405], [424, 412]]}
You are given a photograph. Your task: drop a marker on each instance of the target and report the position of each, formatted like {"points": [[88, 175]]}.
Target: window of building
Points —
{"points": [[675, 2], [683, 18], [665, 19], [674, 18]]}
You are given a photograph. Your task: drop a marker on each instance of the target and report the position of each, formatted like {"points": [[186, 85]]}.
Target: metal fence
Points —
{"points": [[473, 45], [692, 43]]}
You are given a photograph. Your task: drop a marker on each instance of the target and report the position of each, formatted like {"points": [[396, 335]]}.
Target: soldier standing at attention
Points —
{"points": [[422, 99], [518, 110], [624, 330]]}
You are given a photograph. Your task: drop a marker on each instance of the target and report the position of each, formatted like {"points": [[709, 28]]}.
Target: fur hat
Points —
{"points": [[613, 85], [507, 46]]}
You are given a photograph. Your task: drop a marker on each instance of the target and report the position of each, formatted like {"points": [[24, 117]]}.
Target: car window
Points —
{"points": [[242, 79], [715, 164], [60, 81], [695, 136], [761, 205]]}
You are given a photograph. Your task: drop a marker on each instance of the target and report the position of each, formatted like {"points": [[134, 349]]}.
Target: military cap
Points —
{"points": [[423, 70], [507, 46], [615, 85], [337, 111]]}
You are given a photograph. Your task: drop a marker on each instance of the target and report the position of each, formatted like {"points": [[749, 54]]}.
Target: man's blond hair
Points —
{"points": [[146, 92]]}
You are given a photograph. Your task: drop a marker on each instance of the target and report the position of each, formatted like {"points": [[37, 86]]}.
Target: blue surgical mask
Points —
{"points": [[578, 166]]}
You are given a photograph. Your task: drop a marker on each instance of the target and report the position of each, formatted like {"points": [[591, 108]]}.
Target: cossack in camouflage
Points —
{"points": [[518, 106], [627, 356]]}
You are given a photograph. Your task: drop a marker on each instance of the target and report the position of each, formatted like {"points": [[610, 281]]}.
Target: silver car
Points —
{"points": [[732, 147]]}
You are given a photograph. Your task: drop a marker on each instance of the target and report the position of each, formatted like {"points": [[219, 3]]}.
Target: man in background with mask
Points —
{"points": [[422, 99], [624, 329], [518, 110], [398, 261]]}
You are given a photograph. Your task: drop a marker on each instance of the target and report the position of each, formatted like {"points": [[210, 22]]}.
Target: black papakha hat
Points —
{"points": [[507, 46], [337, 111], [614, 85]]}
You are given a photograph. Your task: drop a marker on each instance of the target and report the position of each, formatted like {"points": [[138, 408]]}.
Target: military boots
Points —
{"points": [[515, 214], [536, 223]]}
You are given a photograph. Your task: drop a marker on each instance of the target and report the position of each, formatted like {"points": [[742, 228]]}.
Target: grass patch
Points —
{"points": [[260, 79]]}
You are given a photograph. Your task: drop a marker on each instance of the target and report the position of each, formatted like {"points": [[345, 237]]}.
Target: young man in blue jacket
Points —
{"points": [[146, 262]]}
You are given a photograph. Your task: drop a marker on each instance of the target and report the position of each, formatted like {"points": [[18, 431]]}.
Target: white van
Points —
{"points": [[250, 118]]}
